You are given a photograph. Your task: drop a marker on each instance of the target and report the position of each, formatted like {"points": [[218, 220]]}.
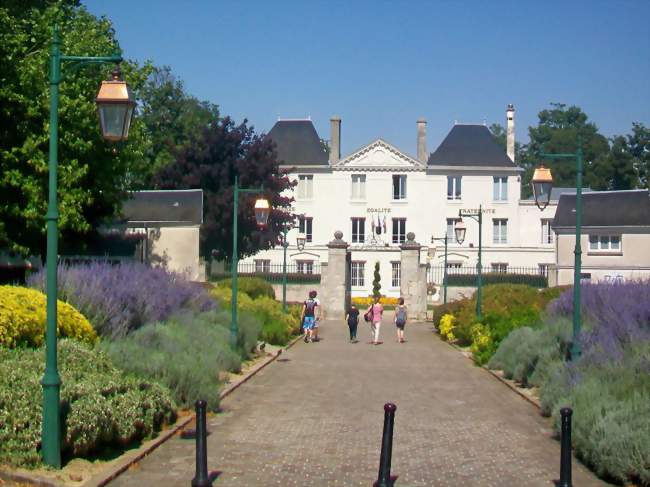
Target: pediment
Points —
{"points": [[379, 155]]}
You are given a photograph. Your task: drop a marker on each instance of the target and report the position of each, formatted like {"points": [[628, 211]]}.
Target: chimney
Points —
{"points": [[335, 140], [422, 140], [510, 133]]}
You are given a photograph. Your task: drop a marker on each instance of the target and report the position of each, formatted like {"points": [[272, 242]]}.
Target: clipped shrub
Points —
{"points": [[254, 287], [100, 406], [277, 326], [23, 319], [186, 353], [118, 299]]}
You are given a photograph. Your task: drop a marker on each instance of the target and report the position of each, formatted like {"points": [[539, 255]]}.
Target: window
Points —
{"points": [[500, 267], [500, 231], [606, 243], [262, 266], [453, 187], [358, 230], [396, 274], [356, 273], [305, 266], [399, 230], [500, 188], [358, 187], [547, 232], [451, 227], [305, 186], [305, 227], [399, 187], [543, 269]]}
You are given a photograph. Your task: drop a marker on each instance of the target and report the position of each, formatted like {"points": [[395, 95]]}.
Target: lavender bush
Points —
{"points": [[608, 387], [616, 314], [118, 299]]}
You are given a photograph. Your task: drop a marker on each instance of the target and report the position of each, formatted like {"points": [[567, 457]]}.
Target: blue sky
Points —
{"points": [[381, 65]]}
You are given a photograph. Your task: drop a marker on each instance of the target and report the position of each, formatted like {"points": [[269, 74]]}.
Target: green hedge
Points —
{"points": [[100, 405], [467, 280], [254, 287], [274, 277], [186, 353]]}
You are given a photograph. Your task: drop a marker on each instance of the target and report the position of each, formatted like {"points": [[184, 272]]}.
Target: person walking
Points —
{"points": [[317, 317], [308, 316], [400, 317], [352, 317], [375, 312]]}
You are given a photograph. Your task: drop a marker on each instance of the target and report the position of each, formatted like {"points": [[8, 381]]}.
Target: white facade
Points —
{"points": [[380, 183]]}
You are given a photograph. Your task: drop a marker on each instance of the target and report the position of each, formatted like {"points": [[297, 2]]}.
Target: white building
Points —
{"points": [[378, 193]]}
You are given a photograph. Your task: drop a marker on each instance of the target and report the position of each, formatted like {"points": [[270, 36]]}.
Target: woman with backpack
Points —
{"points": [[400, 320], [373, 315], [309, 316]]}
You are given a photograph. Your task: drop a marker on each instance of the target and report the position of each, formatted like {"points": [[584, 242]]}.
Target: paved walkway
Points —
{"points": [[315, 419]]}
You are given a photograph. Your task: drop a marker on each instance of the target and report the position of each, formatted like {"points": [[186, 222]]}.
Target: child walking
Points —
{"points": [[399, 319], [352, 317]]}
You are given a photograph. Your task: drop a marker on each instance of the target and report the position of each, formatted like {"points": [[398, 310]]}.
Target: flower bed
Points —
{"points": [[505, 307], [186, 353], [608, 387], [23, 316], [100, 406], [118, 299]]}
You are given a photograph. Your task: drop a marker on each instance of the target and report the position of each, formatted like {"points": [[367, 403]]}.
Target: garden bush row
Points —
{"points": [[608, 387], [186, 353], [23, 317], [277, 326], [505, 307], [118, 299], [101, 407]]}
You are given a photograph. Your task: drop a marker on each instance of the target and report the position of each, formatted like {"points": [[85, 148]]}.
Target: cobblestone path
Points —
{"points": [[315, 417]]}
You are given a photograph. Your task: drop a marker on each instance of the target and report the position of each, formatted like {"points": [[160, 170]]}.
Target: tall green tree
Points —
{"points": [[94, 175], [615, 170], [557, 131], [639, 144], [172, 116], [210, 162]]}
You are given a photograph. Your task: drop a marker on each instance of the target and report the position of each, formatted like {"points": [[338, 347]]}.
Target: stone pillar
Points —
{"points": [[413, 282], [332, 289]]}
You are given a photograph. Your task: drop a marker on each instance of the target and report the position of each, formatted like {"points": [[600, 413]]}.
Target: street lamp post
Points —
{"points": [[262, 211], [444, 278], [285, 244], [115, 107], [460, 231], [542, 184]]}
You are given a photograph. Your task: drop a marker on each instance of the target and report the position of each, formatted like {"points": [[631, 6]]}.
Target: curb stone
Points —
{"points": [[103, 478]]}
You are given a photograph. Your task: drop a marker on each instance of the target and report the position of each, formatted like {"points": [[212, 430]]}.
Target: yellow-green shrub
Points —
{"points": [[446, 326], [22, 319]]}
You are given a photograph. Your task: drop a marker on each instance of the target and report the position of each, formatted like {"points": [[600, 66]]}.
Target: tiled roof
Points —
{"points": [[605, 209], [165, 206]]}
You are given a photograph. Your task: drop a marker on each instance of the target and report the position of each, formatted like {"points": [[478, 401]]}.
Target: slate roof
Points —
{"points": [[165, 206], [470, 145], [297, 143], [557, 192], [605, 209]]}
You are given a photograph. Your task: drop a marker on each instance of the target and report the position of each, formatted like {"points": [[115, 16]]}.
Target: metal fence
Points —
{"points": [[297, 273], [467, 275]]}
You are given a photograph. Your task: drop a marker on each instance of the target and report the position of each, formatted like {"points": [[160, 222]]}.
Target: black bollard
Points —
{"points": [[201, 478], [565, 452], [385, 479]]}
